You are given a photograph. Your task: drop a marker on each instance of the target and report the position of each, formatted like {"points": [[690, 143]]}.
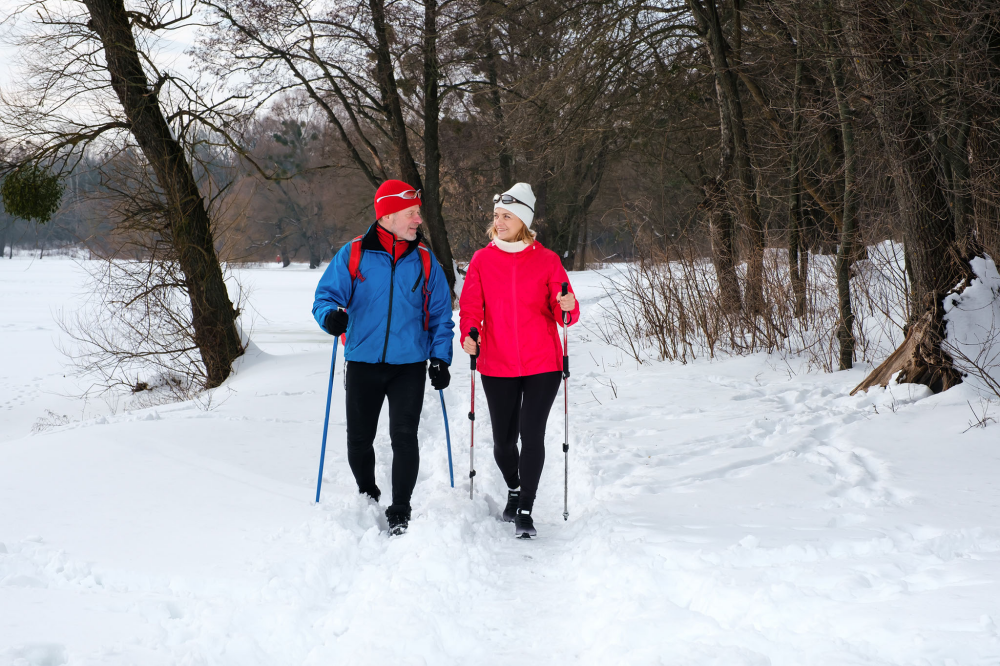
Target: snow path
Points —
{"points": [[724, 512]]}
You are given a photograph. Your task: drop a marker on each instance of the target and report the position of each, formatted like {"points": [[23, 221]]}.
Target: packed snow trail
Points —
{"points": [[728, 512]]}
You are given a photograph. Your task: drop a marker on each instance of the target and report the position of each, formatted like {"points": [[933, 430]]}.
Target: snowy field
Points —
{"points": [[729, 512]]}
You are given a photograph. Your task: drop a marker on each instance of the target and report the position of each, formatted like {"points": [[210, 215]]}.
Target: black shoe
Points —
{"points": [[524, 528], [398, 516], [510, 510], [374, 494]]}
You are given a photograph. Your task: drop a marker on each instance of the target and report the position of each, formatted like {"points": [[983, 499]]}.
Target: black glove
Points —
{"points": [[335, 322], [438, 372]]}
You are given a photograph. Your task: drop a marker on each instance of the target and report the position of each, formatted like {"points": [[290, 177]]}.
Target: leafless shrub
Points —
{"points": [[665, 305], [979, 357], [49, 421], [980, 419], [880, 293], [134, 335]]}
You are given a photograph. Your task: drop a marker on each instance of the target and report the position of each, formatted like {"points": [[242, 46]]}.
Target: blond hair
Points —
{"points": [[526, 235]]}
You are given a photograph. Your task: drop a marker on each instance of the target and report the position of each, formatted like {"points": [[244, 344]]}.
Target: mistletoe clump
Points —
{"points": [[31, 193]]}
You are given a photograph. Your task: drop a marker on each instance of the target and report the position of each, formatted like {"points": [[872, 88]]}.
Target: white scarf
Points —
{"points": [[508, 246]]}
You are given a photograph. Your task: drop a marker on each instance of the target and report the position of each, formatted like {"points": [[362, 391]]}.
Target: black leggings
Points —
{"points": [[368, 384], [520, 405]]}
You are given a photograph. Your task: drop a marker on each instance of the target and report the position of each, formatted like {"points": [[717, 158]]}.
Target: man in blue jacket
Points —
{"points": [[389, 294]]}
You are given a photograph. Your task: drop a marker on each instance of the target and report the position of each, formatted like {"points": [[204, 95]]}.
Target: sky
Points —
{"points": [[170, 48]]}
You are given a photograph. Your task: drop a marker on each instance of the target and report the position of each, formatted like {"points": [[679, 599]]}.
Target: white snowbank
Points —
{"points": [[720, 513], [974, 328]]}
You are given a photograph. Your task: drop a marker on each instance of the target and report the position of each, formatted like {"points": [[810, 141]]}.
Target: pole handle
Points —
{"points": [[565, 315], [474, 334]]}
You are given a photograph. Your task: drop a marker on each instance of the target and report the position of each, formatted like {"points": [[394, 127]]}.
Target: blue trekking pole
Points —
{"points": [[326, 421], [447, 435]]}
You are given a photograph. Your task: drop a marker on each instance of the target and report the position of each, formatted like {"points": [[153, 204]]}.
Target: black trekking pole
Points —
{"points": [[565, 316], [474, 334]]}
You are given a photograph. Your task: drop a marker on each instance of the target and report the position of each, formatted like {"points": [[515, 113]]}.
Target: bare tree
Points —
{"points": [[89, 49], [324, 52], [907, 126]]}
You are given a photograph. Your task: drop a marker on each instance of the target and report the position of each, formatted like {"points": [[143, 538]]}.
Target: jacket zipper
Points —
{"points": [[513, 293], [392, 283]]}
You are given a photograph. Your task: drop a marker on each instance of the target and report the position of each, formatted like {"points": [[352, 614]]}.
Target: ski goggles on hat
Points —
{"points": [[408, 194], [507, 199]]}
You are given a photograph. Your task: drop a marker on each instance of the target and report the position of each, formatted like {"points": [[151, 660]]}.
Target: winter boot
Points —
{"points": [[373, 494], [398, 516], [523, 527], [510, 510]]}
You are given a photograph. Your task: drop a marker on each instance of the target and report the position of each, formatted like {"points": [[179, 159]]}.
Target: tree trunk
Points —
{"points": [[845, 249], [432, 146], [984, 136], [720, 230], [721, 226], [581, 251], [906, 125], [741, 191], [804, 274], [919, 360], [282, 243], [798, 279], [540, 223], [984, 145], [589, 177], [213, 317], [437, 234], [491, 64], [315, 251], [961, 192]]}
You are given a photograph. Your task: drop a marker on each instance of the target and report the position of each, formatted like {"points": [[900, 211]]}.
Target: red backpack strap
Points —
{"points": [[425, 263], [354, 264], [354, 270]]}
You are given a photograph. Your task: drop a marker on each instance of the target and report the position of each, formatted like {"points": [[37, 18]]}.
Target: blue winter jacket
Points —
{"points": [[385, 305]]}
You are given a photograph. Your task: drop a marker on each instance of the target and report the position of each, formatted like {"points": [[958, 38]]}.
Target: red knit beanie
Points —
{"points": [[385, 204]]}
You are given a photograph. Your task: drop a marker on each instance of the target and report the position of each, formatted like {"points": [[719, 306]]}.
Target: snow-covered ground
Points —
{"points": [[728, 512]]}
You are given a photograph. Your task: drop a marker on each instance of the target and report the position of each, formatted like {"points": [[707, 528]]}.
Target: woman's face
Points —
{"points": [[507, 224]]}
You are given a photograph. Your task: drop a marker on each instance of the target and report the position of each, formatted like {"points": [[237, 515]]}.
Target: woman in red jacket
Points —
{"points": [[512, 296]]}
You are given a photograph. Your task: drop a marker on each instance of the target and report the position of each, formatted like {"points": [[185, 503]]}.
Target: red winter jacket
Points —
{"points": [[511, 298]]}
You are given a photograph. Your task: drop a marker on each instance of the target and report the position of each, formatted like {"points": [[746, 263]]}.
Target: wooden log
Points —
{"points": [[920, 359]]}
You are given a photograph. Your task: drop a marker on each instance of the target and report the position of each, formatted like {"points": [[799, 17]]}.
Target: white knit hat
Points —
{"points": [[524, 207]]}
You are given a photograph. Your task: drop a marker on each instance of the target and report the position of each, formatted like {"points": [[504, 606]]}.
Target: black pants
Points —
{"points": [[368, 384], [520, 406]]}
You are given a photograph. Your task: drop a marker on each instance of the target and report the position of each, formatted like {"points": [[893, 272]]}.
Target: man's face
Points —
{"points": [[403, 223]]}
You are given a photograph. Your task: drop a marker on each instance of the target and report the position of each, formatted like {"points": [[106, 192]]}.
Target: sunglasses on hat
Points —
{"points": [[408, 194], [507, 199]]}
